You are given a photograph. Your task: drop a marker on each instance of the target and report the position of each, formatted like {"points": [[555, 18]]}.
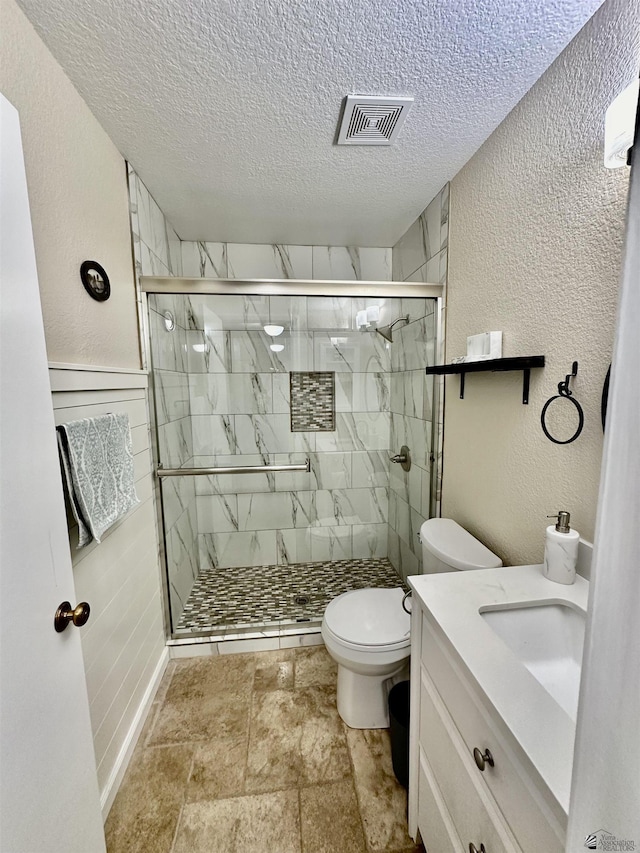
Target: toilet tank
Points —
{"points": [[447, 547]]}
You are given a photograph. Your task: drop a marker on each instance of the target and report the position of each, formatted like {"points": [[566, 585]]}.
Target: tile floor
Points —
{"points": [[247, 754], [241, 597]]}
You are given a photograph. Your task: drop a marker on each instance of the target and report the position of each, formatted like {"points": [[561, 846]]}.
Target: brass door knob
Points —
{"points": [[474, 849], [480, 758], [65, 613]]}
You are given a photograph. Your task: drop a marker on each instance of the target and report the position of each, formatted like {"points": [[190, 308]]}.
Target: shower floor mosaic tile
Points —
{"points": [[299, 593]]}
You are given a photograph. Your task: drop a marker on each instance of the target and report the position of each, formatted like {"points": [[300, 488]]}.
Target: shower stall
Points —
{"points": [[278, 406]]}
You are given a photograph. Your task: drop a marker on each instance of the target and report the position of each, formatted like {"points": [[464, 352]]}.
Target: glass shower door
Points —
{"points": [[256, 381]]}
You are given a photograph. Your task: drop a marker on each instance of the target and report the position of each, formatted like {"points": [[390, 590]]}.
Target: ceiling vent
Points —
{"points": [[372, 119]]}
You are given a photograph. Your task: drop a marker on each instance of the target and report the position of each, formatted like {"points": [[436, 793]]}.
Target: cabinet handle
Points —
{"points": [[480, 758], [474, 849]]}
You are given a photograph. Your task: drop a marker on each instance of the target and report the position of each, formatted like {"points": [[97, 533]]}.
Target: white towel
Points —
{"points": [[98, 466]]}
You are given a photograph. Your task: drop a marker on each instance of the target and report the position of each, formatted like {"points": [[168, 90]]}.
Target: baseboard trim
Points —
{"points": [[116, 776]]}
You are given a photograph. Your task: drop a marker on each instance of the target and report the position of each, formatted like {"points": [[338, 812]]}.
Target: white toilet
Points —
{"points": [[367, 632]]}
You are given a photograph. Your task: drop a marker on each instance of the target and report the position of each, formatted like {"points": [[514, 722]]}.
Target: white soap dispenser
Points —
{"points": [[561, 550]]}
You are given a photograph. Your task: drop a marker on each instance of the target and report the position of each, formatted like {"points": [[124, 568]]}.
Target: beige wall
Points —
{"points": [[536, 233], [79, 206]]}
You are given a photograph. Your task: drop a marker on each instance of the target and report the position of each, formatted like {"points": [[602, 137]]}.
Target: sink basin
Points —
{"points": [[548, 640]]}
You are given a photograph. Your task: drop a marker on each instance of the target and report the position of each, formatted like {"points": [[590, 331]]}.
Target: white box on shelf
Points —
{"points": [[484, 346]]}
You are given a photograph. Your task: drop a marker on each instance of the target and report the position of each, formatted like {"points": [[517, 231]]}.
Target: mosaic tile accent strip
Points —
{"points": [[260, 595], [313, 401]]}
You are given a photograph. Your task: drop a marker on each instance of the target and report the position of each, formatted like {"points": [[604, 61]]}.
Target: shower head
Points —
{"points": [[386, 332]]}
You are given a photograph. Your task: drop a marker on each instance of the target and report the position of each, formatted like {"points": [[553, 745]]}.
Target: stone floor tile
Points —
{"points": [[206, 696], [323, 744], [267, 823], [206, 677], [260, 736], [274, 671], [197, 720], [315, 666], [274, 759], [383, 801], [145, 812], [295, 738], [330, 819], [219, 767]]}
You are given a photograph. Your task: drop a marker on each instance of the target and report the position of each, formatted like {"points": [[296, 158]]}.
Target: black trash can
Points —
{"points": [[399, 723]]}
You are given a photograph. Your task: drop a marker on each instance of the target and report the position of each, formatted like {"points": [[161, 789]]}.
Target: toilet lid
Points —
{"points": [[369, 617], [455, 546]]}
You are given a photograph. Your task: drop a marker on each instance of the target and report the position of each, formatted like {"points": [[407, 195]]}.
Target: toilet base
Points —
{"points": [[363, 699]]}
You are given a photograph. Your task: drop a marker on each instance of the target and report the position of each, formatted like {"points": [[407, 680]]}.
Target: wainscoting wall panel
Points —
{"points": [[123, 643]]}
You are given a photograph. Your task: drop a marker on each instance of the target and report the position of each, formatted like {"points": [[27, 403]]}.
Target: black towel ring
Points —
{"points": [[564, 392], [605, 398]]}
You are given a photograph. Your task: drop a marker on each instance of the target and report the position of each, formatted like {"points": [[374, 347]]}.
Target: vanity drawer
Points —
{"points": [[532, 821], [472, 809], [434, 821]]}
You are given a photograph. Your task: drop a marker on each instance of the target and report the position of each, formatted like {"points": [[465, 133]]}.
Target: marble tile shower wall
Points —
{"points": [[175, 447], [239, 400], [350, 505], [238, 414], [340, 509], [156, 246], [419, 255], [156, 249], [240, 260]]}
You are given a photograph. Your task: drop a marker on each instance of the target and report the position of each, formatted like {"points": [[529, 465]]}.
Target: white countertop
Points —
{"points": [[452, 603]]}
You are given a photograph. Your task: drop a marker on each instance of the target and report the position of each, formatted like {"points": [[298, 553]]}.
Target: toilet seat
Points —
{"points": [[370, 619], [361, 648]]}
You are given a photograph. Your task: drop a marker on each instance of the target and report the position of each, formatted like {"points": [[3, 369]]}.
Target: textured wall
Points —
{"points": [[535, 245], [78, 195]]}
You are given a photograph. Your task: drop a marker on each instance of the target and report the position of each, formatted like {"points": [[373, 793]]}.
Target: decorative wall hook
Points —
{"points": [[563, 387], [564, 392]]}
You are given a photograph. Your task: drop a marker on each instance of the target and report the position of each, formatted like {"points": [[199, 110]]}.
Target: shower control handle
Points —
{"points": [[65, 613], [403, 458]]}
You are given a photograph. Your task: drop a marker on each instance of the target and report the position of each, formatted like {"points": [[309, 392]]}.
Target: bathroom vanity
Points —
{"points": [[495, 671]]}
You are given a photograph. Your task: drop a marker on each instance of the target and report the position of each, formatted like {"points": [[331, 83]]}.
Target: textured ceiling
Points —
{"points": [[228, 109]]}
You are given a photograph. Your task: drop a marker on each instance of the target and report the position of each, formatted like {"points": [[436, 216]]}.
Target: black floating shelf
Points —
{"points": [[523, 363]]}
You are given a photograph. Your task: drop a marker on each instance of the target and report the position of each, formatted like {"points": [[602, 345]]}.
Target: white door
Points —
{"points": [[48, 788]]}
